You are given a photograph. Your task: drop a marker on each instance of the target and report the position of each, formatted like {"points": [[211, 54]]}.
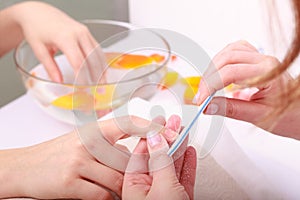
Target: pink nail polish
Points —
{"points": [[153, 139], [170, 134], [212, 109], [174, 123], [196, 98]]}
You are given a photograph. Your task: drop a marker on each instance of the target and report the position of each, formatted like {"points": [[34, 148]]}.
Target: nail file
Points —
{"points": [[186, 130]]}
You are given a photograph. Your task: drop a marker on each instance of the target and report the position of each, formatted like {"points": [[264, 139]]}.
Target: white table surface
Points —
{"points": [[23, 123]]}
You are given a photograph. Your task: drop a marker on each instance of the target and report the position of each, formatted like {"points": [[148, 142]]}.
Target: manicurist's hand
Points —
{"points": [[236, 63]]}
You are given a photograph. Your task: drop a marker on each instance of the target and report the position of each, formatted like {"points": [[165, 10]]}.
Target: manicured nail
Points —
{"points": [[211, 109], [57, 78], [196, 98], [171, 135], [153, 138], [174, 123]]}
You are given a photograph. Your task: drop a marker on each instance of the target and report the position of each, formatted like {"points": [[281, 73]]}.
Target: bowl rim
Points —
{"points": [[112, 22]]}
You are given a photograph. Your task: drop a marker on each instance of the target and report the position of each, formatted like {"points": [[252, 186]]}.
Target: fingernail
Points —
{"points": [[170, 134], [57, 78], [196, 98], [211, 109], [174, 123], [153, 139]]}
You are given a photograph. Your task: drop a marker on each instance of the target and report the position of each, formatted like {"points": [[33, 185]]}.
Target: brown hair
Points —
{"points": [[290, 91]]}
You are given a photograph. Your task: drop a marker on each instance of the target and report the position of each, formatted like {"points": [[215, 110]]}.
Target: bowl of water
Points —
{"points": [[135, 61]]}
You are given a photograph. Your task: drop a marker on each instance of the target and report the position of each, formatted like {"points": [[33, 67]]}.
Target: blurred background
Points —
{"points": [[212, 24], [11, 85]]}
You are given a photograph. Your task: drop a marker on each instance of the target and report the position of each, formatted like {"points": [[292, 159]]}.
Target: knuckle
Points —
{"points": [[118, 183], [230, 56], [230, 109], [102, 194], [228, 75], [78, 63], [235, 44], [82, 30], [226, 58], [72, 169], [238, 44], [68, 179], [65, 36], [271, 62], [242, 42]]}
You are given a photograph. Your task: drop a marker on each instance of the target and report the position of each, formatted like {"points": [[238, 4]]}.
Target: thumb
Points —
{"points": [[160, 164], [248, 111]]}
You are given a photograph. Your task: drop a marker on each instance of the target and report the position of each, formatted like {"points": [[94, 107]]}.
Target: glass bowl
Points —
{"points": [[135, 65]]}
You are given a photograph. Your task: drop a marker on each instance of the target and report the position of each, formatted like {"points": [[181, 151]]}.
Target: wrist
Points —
{"points": [[11, 179]]}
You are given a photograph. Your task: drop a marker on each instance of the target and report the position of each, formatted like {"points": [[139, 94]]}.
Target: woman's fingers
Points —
{"points": [[237, 57], [160, 120], [173, 127], [46, 58], [239, 46], [103, 176], [234, 64], [233, 73], [188, 173], [114, 129], [73, 53], [94, 63], [248, 111], [236, 46]]}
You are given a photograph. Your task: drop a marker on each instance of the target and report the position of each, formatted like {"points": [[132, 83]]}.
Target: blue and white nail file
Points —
{"points": [[187, 128]]}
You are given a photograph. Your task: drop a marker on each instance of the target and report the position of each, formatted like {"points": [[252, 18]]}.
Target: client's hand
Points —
{"points": [[48, 30], [59, 168], [63, 167]]}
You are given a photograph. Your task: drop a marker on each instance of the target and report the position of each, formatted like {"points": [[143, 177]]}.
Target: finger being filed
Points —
{"points": [[114, 129], [45, 57], [188, 173], [173, 127], [160, 120]]}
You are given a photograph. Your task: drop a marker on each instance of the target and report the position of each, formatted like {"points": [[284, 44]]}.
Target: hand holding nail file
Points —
{"points": [[186, 130]]}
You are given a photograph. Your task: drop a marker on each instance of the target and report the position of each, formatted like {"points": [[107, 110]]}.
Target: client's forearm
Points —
{"points": [[11, 173], [10, 31]]}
